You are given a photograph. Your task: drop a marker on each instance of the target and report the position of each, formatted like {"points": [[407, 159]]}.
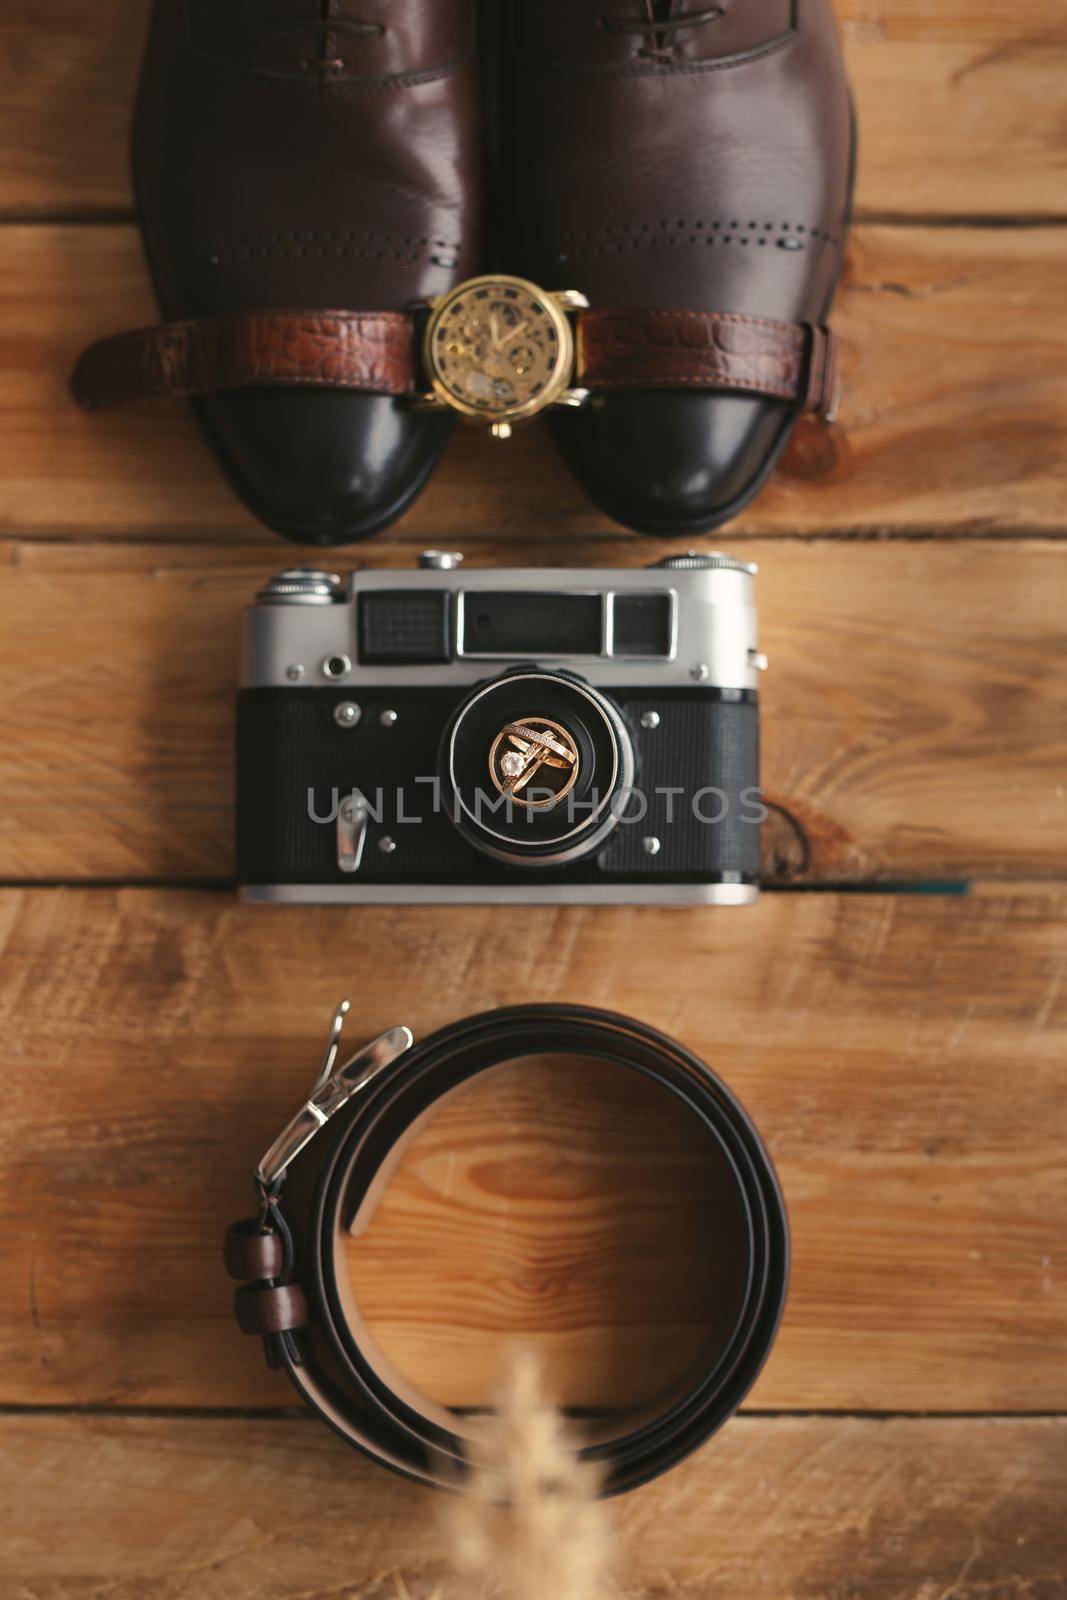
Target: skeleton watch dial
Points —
{"points": [[498, 349]]}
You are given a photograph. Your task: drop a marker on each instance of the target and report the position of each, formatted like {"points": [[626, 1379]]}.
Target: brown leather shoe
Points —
{"points": [[311, 155], [687, 156]]}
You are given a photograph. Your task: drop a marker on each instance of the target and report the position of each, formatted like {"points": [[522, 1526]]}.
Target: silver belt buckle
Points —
{"points": [[333, 1089]]}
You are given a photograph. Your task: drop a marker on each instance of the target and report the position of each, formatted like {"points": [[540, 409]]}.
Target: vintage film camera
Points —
{"points": [[535, 736]]}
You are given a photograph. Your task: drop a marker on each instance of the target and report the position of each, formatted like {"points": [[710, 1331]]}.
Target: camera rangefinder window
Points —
{"points": [[517, 623], [642, 624], [405, 625]]}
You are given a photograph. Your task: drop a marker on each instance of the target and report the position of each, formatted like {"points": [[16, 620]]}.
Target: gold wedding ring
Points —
{"points": [[530, 746]]}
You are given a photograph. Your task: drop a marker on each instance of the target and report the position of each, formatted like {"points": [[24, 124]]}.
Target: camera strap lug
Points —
{"points": [[334, 1087]]}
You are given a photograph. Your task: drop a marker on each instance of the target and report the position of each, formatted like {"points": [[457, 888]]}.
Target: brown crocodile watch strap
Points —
{"points": [[634, 348], [376, 352], [367, 350]]}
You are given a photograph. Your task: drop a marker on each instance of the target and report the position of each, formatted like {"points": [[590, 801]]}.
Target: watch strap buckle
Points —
{"points": [[823, 388]]}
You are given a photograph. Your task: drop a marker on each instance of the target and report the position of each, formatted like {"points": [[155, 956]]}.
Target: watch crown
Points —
{"points": [[570, 299]]}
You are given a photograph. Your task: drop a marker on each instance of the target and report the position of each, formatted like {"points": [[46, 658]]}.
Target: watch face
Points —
{"points": [[498, 348]]}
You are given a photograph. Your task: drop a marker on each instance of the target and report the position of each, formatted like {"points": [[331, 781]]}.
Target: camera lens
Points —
{"points": [[537, 766]]}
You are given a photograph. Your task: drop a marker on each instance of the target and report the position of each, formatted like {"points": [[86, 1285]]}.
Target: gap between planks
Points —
{"points": [[108, 216], [810, 1508], [301, 1414]]}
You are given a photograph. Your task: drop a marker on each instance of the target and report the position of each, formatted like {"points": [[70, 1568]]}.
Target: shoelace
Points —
{"points": [[325, 27], [658, 32]]}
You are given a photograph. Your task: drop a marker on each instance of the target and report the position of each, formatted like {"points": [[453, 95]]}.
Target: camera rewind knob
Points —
{"points": [[440, 560], [704, 561], [300, 586]]}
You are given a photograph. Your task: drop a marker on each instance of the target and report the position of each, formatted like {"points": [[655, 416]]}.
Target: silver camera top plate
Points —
{"points": [[303, 632]]}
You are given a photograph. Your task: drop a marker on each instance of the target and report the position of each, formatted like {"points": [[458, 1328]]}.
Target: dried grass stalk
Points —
{"points": [[527, 1522]]}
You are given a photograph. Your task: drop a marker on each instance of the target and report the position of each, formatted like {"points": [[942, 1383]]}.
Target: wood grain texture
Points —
{"points": [[961, 105], [902, 1055], [809, 1508], [914, 718], [953, 416], [65, 111], [596, 1224]]}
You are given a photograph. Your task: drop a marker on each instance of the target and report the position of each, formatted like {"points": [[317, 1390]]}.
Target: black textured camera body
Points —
{"points": [[692, 817]]}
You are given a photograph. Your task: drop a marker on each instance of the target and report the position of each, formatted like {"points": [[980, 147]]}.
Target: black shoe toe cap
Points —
{"points": [[323, 466], [673, 462]]}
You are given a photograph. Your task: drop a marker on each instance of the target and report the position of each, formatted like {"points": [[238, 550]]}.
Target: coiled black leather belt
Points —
{"points": [[322, 1176]]}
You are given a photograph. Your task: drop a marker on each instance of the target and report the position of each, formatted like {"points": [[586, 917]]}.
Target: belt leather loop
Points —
{"points": [[251, 1252], [261, 1249], [268, 1310]]}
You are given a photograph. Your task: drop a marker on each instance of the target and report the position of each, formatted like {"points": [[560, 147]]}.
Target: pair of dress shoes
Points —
{"points": [[304, 155]]}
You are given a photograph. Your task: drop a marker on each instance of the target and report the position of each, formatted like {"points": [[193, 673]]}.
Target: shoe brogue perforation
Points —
{"points": [[366, 243], [683, 224], [622, 237]]}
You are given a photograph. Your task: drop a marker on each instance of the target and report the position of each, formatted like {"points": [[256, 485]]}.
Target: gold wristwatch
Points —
{"points": [[498, 349]]}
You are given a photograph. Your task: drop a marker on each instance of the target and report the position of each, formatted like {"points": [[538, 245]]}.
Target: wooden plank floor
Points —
{"points": [[912, 1102], [813, 1508], [904, 1051], [916, 716]]}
